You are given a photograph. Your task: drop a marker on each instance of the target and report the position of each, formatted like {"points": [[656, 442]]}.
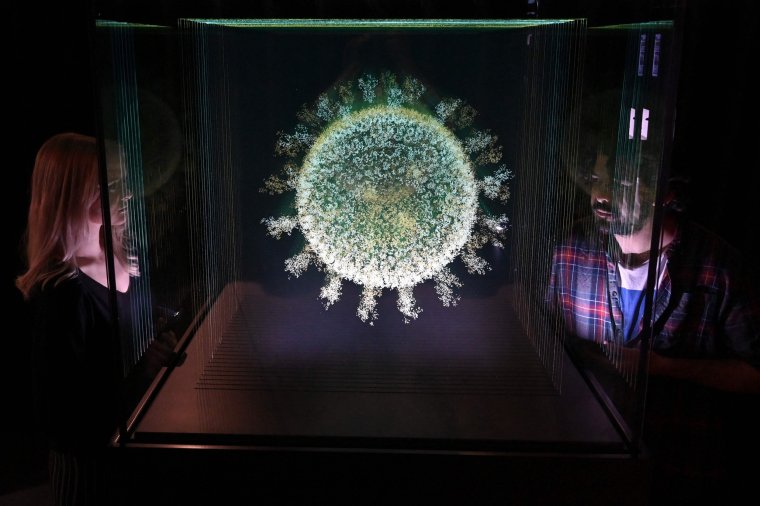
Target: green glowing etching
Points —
{"points": [[387, 193]]}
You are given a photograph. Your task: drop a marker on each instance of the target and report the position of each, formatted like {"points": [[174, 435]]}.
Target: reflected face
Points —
{"points": [[620, 205]]}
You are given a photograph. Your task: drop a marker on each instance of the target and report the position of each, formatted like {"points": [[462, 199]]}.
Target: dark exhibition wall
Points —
{"points": [[48, 74], [48, 71]]}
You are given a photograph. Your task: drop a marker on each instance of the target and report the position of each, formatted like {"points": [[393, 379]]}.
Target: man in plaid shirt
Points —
{"points": [[705, 330], [705, 324]]}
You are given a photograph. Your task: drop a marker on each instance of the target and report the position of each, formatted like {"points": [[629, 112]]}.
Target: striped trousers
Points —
{"points": [[75, 479]]}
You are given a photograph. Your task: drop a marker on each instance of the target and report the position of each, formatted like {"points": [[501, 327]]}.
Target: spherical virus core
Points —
{"points": [[386, 197]]}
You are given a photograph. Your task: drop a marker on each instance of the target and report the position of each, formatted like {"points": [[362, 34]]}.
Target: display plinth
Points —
{"points": [[268, 404]]}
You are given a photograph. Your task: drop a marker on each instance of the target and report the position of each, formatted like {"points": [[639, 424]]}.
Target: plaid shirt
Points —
{"points": [[702, 306]]}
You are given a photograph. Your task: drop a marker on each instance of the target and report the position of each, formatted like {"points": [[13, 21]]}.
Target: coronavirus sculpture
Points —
{"points": [[387, 191]]}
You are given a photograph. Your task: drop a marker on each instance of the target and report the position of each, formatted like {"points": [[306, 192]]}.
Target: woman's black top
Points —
{"points": [[76, 374]]}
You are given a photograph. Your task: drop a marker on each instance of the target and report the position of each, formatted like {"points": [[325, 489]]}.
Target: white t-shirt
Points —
{"points": [[633, 284]]}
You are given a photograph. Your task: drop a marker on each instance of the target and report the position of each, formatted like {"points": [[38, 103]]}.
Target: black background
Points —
{"points": [[49, 90]]}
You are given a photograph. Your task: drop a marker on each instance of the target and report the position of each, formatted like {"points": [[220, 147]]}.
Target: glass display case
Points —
{"points": [[361, 232]]}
